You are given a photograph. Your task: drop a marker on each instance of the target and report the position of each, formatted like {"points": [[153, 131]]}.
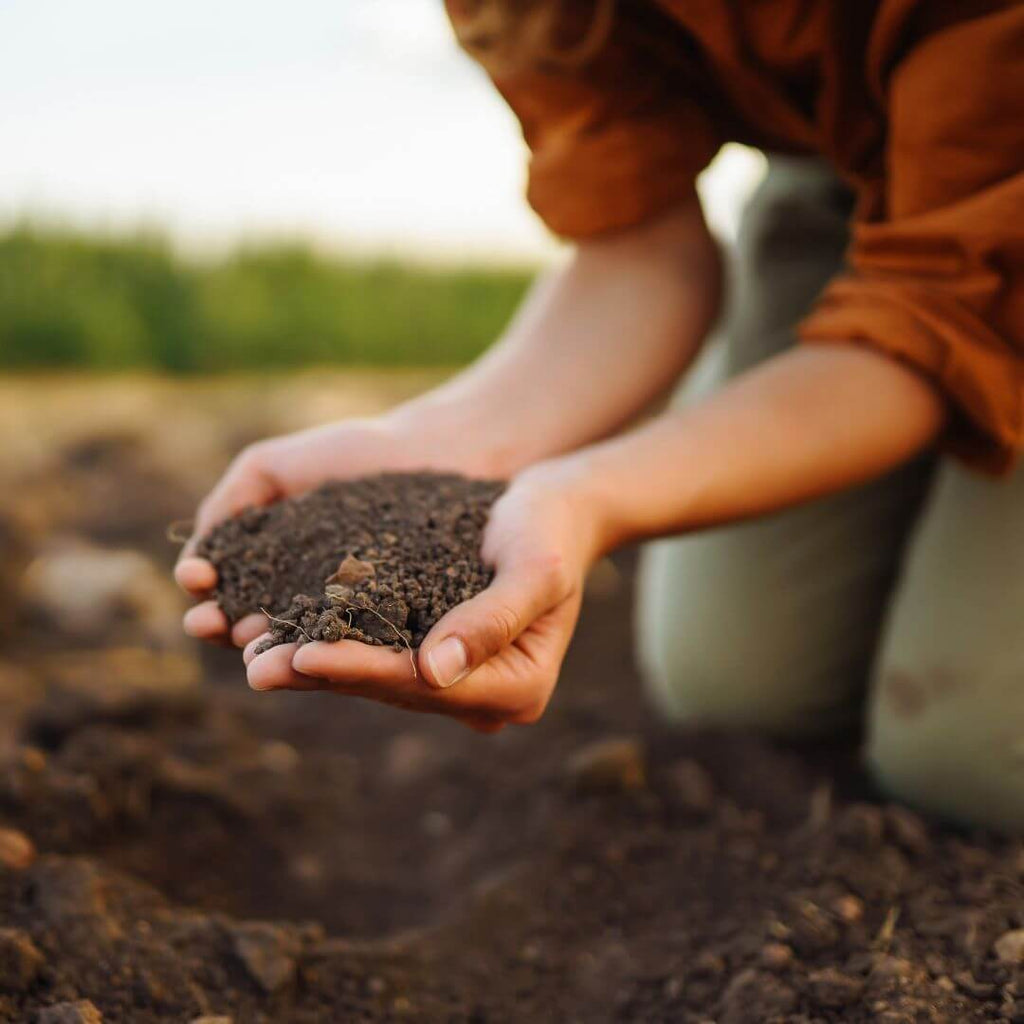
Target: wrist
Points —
{"points": [[568, 482], [593, 495], [440, 429], [601, 486]]}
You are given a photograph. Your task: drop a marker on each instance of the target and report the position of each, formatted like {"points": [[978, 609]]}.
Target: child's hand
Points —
{"points": [[282, 466], [494, 659]]}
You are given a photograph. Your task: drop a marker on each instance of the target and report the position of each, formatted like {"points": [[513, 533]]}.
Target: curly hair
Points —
{"points": [[509, 35]]}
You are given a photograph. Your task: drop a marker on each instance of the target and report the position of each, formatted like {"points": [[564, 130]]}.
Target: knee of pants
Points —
{"points": [[721, 655], [945, 742]]}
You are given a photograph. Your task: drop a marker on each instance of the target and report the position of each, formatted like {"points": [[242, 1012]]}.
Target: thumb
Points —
{"points": [[247, 481], [481, 627]]}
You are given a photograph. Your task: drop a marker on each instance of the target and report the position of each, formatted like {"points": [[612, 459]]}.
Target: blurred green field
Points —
{"points": [[71, 300]]}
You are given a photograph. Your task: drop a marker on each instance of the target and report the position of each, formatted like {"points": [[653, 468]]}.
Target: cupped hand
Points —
{"points": [[492, 660], [288, 465]]}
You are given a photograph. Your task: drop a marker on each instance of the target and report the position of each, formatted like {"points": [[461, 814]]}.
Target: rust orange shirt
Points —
{"points": [[918, 104]]}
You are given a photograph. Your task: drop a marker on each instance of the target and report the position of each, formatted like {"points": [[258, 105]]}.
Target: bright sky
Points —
{"points": [[355, 122]]}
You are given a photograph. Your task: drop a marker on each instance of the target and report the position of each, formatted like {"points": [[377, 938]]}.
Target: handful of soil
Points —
{"points": [[379, 559]]}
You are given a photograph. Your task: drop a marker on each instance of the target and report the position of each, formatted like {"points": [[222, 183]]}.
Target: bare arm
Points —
{"points": [[807, 423], [594, 344]]}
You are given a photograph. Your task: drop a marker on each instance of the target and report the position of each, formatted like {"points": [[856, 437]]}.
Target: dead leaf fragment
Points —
{"points": [[352, 572]]}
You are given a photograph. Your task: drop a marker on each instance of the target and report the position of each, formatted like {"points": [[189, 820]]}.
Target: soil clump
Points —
{"points": [[378, 559]]}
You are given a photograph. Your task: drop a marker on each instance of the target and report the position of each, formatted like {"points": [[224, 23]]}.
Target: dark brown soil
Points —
{"points": [[379, 559], [308, 858]]}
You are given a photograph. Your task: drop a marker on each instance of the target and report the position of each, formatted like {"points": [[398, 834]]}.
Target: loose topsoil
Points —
{"points": [[170, 851], [378, 559]]}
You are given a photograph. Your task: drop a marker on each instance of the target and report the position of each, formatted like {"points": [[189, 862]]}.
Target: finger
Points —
{"points": [[196, 575], [481, 627], [205, 621], [247, 482], [354, 669], [248, 628], [249, 652], [504, 689], [272, 670], [352, 662]]}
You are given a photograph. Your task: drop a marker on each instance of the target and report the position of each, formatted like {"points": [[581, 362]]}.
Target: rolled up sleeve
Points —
{"points": [[613, 142], [936, 276]]}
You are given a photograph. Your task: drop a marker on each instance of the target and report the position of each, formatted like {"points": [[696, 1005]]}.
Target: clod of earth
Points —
{"points": [[776, 956], [753, 995], [82, 1011], [608, 766], [267, 953], [20, 961], [379, 559], [848, 909], [17, 851], [1009, 948], [691, 787]]}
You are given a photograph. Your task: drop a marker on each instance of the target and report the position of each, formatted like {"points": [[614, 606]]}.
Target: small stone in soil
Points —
{"points": [[813, 930], [861, 826], [20, 961], [66, 890], [82, 1011], [891, 969], [971, 985], [776, 956], [279, 757], [691, 787], [1009, 947], [33, 759], [909, 831], [848, 909], [17, 851], [708, 965], [755, 995], [833, 989], [608, 766], [266, 953]]}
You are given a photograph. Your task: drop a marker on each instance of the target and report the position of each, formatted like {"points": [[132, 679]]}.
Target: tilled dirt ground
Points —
{"points": [[177, 846]]}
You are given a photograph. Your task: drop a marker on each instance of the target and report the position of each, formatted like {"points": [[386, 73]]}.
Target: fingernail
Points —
{"points": [[249, 651], [188, 624], [449, 662], [299, 661]]}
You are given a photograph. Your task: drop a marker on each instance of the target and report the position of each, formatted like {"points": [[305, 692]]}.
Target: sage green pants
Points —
{"points": [[906, 595]]}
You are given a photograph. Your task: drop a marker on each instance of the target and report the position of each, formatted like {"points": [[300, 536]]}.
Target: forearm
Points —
{"points": [[594, 344], [805, 424]]}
